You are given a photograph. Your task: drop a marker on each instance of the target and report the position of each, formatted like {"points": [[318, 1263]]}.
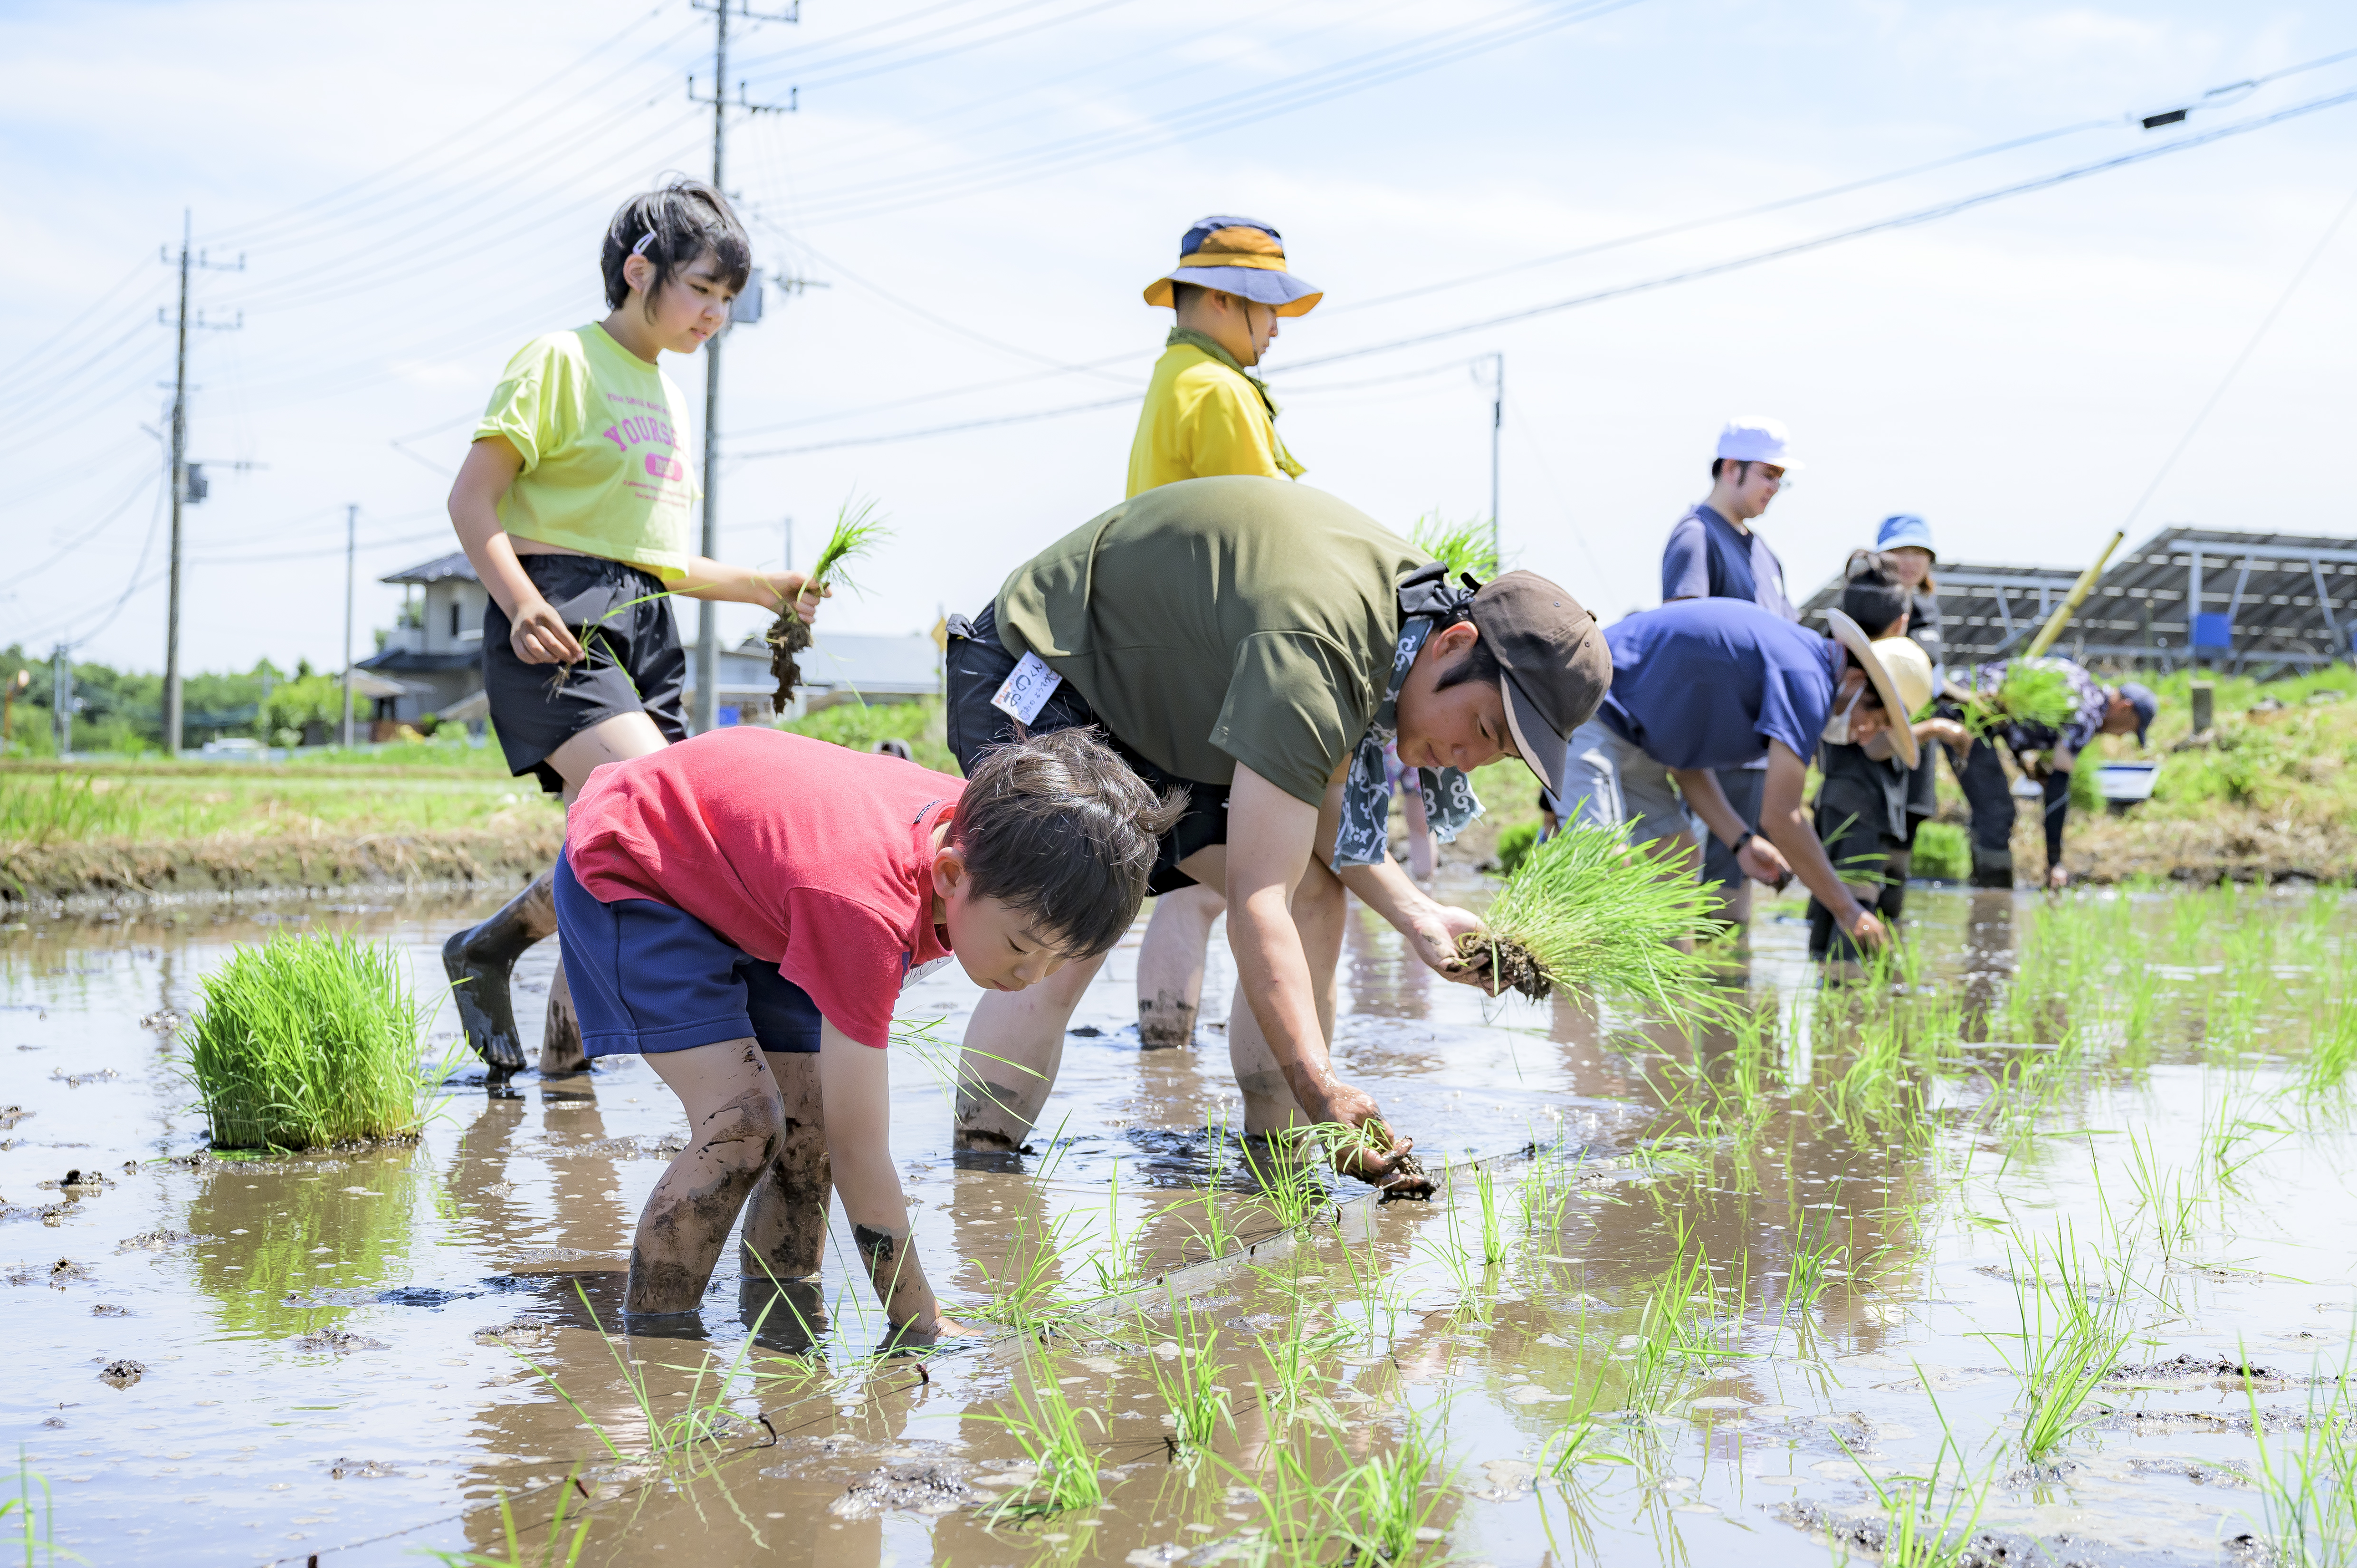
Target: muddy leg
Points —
{"points": [[1171, 966], [478, 961], [1014, 1044], [785, 1224], [734, 1127], [1317, 913], [560, 1034]]}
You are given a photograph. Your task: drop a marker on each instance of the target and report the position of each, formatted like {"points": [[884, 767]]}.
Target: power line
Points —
{"points": [[947, 51], [1301, 91], [1800, 247], [2314, 255], [1124, 401]]}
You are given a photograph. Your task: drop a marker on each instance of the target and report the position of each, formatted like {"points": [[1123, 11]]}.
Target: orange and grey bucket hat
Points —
{"points": [[1242, 256]]}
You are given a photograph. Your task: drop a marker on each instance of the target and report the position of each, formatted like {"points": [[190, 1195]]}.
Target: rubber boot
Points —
{"points": [[561, 1055], [1992, 867], [479, 961]]}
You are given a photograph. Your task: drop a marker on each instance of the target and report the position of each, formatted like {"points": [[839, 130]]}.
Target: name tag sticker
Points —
{"points": [[1026, 691]]}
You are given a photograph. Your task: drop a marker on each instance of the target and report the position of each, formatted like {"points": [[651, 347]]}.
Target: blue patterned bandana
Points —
{"points": [[1428, 603]]}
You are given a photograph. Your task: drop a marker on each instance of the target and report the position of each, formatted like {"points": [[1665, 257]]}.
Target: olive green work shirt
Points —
{"points": [[1221, 620]]}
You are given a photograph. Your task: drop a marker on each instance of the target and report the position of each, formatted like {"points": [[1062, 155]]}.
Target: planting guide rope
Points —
{"points": [[1185, 1279]]}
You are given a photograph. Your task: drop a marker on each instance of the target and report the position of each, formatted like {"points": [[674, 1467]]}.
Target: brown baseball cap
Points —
{"points": [[1556, 666]]}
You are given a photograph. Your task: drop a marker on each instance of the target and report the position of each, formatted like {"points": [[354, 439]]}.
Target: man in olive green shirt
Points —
{"points": [[1256, 643]]}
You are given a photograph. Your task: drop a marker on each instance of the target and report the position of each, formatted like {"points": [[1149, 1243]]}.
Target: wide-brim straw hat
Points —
{"points": [[1855, 642], [1242, 256]]}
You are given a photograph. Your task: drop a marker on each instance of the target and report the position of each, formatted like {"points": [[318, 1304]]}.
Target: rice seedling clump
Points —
{"points": [[1467, 546], [305, 1042], [2031, 691], [858, 530], [1584, 909]]}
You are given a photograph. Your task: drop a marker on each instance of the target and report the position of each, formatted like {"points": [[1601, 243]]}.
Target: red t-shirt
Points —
{"points": [[813, 857]]}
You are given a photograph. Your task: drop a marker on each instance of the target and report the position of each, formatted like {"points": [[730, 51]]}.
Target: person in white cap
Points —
{"points": [[1714, 553]]}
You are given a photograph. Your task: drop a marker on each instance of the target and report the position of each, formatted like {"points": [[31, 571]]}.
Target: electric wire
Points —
{"points": [[26, 361]]}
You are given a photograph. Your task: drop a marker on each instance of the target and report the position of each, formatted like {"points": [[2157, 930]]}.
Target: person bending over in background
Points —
{"points": [[574, 505], [1255, 644], [1705, 685], [1715, 552], [2043, 753], [1207, 415], [744, 908]]}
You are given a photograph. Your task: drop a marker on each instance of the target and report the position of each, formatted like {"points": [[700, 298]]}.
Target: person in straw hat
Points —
{"points": [[1709, 684], [1863, 803], [1206, 415]]}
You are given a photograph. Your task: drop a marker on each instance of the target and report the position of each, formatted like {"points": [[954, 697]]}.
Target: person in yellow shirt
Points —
{"points": [[1206, 413], [576, 508]]}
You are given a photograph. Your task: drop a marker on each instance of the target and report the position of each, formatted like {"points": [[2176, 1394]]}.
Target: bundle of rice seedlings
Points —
{"points": [[304, 1042], [1467, 546], [858, 530], [1585, 909], [2031, 691]]}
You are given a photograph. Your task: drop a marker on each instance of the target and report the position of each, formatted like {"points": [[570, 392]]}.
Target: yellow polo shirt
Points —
{"points": [[1201, 419]]}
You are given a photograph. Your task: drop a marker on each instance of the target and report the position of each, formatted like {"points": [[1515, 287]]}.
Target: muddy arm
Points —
{"points": [[855, 1098]]}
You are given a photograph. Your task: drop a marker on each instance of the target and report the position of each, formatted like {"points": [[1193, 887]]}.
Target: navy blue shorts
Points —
{"points": [[648, 977]]}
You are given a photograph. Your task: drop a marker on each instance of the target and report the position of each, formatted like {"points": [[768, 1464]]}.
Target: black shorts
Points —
{"points": [[635, 663], [979, 664]]}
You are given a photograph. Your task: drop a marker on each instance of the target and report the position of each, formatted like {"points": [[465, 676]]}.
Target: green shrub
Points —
{"points": [[860, 726], [1513, 843], [305, 1042], [1943, 852]]}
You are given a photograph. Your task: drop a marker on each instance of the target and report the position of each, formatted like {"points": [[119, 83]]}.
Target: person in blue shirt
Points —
{"points": [[1708, 684], [1714, 553]]}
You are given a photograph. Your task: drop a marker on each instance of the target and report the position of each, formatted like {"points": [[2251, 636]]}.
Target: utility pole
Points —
{"points": [[62, 697], [1497, 425], [180, 487], [708, 614], [351, 563]]}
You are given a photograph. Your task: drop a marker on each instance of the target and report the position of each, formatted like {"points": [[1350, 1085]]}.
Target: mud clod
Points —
{"points": [[363, 1470], [1504, 966], [789, 635], [338, 1341], [1408, 1180], [122, 1372], [2182, 1369], [10, 1115], [60, 1274], [926, 1488], [159, 1240], [108, 1310]]}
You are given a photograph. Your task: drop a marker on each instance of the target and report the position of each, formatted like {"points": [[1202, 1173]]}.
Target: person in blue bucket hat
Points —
{"points": [[1206, 413], [1904, 542]]}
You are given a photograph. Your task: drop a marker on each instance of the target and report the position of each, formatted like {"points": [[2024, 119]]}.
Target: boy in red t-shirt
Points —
{"points": [[743, 909]]}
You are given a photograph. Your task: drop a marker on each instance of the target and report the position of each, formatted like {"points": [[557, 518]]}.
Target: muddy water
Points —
{"points": [[356, 1356]]}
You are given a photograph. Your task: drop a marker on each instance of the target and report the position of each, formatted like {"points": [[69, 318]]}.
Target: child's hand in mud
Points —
{"points": [[539, 635]]}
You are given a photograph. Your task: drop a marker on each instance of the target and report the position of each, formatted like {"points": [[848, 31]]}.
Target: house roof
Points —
{"points": [[2276, 601], [440, 569], [410, 661], [884, 664]]}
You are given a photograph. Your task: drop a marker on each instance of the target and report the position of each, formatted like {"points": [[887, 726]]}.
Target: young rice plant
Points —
{"points": [[1467, 546], [858, 531], [1584, 909], [305, 1042]]}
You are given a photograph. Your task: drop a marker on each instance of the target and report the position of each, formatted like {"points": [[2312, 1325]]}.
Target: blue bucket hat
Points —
{"points": [[1903, 530], [1242, 256]]}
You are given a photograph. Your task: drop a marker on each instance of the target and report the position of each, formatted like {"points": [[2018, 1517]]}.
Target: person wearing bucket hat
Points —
{"points": [[1257, 644], [1703, 685], [2045, 753], [1863, 800], [1206, 413], [1715, 552]]}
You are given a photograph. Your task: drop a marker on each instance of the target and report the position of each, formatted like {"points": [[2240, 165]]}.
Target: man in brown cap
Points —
{"points": [[1257, 643]]}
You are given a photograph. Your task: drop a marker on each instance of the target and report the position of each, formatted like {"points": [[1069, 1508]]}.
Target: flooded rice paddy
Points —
{"points": [[2044, 1255]]}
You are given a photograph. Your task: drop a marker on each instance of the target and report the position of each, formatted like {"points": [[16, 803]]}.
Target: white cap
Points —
{"points": [[1756, 438]]}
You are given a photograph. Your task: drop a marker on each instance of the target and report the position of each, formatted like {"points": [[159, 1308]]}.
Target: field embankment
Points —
{"points": [[153, 828]]}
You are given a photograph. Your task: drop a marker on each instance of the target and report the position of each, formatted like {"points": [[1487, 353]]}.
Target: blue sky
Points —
{"points": [[984, 185]]}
